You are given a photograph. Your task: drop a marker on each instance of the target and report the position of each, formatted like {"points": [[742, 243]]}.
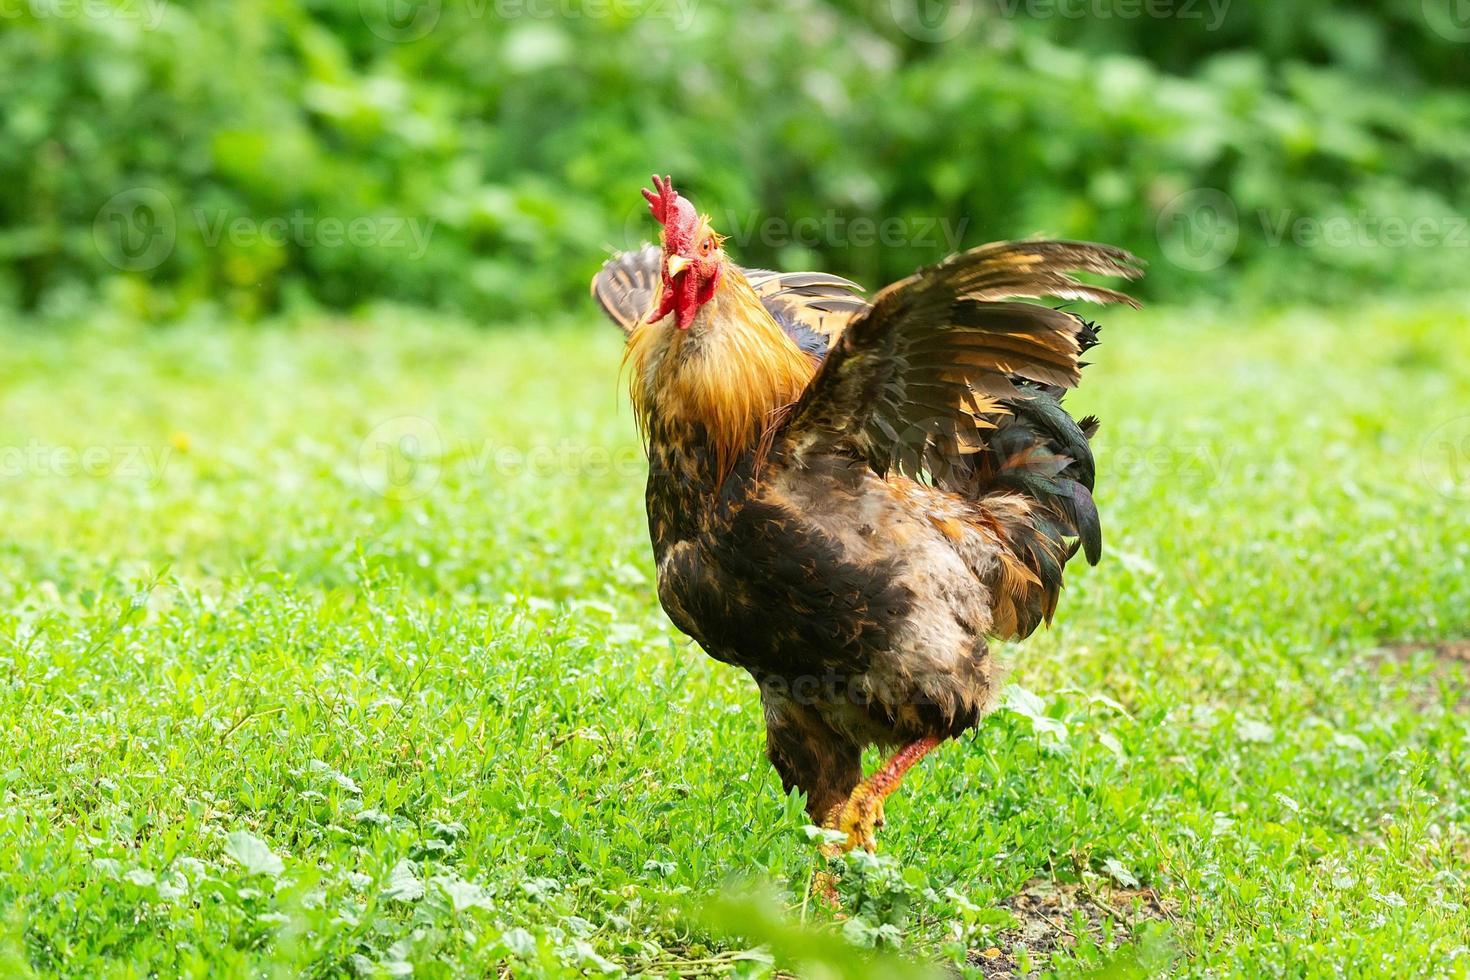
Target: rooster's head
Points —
{"points": [[711, 391], [693, 259]]}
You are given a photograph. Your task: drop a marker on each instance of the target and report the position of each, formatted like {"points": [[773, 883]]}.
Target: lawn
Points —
{"points": [[332, 648]]}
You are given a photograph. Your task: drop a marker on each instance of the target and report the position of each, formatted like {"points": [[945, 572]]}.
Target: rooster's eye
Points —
{"points": [[705, 246]]}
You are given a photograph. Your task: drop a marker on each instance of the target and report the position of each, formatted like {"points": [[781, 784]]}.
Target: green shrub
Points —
{"points": [[482, 157]]}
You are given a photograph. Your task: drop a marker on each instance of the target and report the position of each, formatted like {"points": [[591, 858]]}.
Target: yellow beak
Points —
{"points": [[676, 264]]}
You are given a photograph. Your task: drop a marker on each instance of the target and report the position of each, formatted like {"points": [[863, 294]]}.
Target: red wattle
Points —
{"points": [[686, 302], [684, 294]]}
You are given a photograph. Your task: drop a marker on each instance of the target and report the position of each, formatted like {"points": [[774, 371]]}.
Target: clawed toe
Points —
{"points": [[862, 814], [859, 818]]}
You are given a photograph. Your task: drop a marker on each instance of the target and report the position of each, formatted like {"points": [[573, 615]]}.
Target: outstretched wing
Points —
{"points": [[812, 307], [919, 380], [625, 285]]}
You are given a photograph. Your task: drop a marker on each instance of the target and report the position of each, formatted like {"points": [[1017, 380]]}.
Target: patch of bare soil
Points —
{"points": [[1452, 652], [1052, 916], [1451, 663]]}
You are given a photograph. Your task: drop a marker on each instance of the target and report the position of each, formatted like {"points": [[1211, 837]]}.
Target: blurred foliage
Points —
{"points": [[483, 156]]}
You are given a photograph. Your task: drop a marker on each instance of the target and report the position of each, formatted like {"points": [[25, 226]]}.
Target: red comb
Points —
{"points": [[663, 203], [675, 213]]}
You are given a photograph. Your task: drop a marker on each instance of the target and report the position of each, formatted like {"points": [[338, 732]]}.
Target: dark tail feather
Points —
{"points": [[1083, 513], [1040, 453]]}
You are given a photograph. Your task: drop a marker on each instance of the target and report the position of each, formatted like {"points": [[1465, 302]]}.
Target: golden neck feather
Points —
{"points": [[729, 374]]}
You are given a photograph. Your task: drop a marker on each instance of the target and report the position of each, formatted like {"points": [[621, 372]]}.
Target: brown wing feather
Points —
{"points": [[625, 285], [920, 375], [821, 302]]}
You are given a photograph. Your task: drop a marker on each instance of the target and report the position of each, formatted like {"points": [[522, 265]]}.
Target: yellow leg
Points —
{"points": [[861, 816]]}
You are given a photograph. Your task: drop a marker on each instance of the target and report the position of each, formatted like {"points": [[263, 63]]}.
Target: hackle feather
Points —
{"points": [[733, 377]]}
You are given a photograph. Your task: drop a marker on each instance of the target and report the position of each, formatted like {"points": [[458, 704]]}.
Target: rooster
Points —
{"points": [[849, 498]]}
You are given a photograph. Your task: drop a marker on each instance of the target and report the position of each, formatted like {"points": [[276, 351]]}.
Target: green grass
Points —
{"points": [[258, 718]]}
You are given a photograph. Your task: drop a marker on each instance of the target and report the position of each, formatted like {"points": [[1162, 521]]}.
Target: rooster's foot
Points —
{"points": [[859, 818]]}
